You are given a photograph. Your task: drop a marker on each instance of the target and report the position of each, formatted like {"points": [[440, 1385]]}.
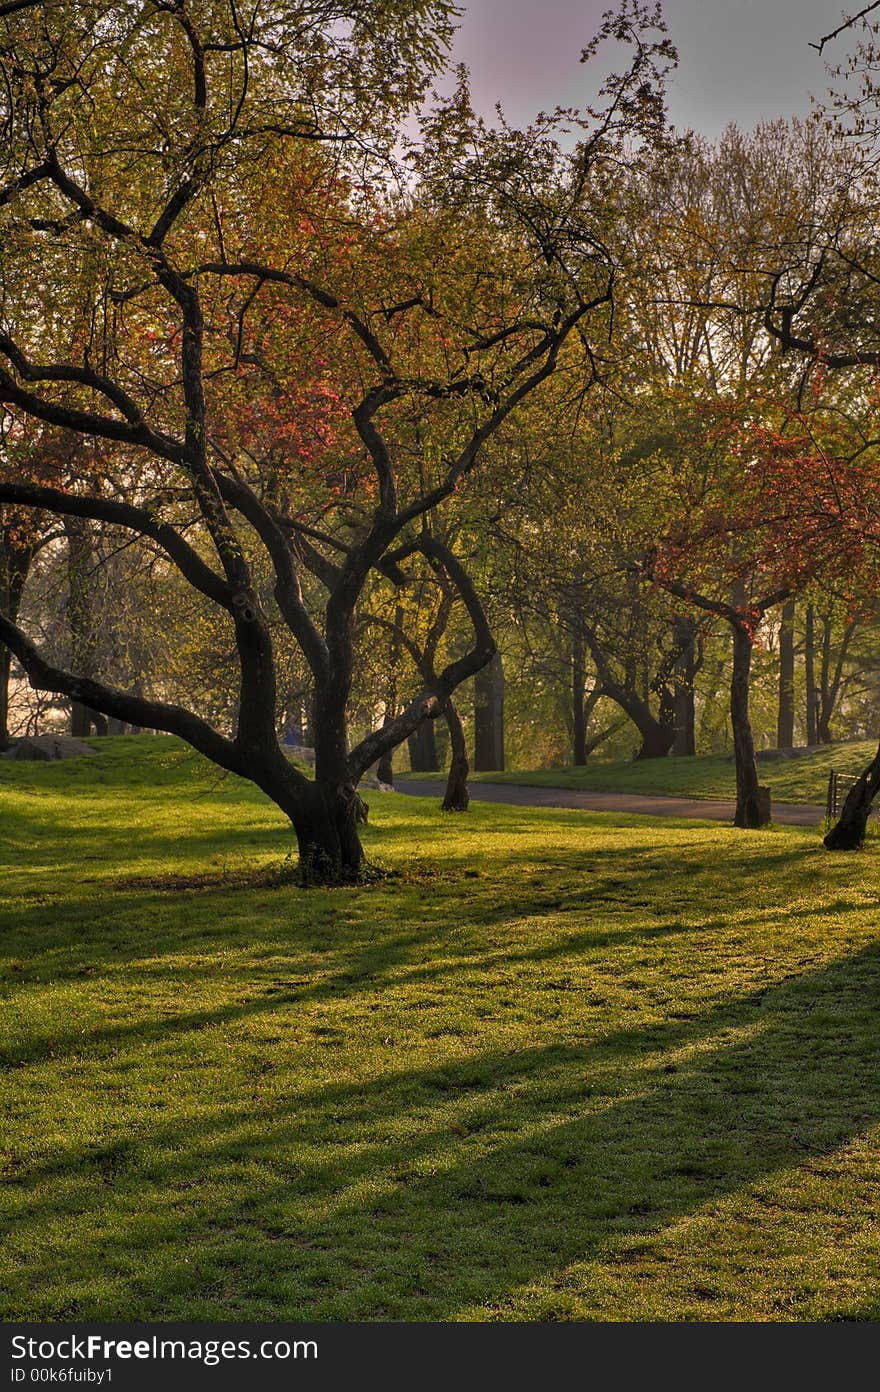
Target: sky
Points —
{"points": [[740, 60]]}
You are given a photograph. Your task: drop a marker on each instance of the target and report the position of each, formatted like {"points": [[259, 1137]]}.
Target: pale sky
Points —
{"points": [[740, 60]]}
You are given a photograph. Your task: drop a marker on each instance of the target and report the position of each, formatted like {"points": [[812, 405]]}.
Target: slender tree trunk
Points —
{"points": [[810, 672], [578, 685], [685, 742], [849, 832], [823, 727], [10, 595], [5, 670], [456, 798], [307, 722], [15, 562], [830, 682], [582, 706], [785, 712], [489, 717], [385, 766], [752, 801], [600, 736], [683, 708], [823, 734], [81, 622], [423, 749]]}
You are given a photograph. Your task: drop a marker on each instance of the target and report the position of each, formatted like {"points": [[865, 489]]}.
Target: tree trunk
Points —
{"points": [[785, 712], [5, 669], [849, 832], [15, 562], [830, 683], [324, 813], [489, 717], [385, 769], [307, 719], [83, 720], [752, 801], [578, 685], [810, 671], [456, 798], [385, 766], [325, 821], [423, 749], [683, 707], [823, 713], [656, 735], [656, 739], [80, 621]]}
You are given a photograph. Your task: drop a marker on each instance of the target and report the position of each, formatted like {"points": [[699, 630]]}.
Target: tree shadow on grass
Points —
{"points": [[293, 946], [372, 966], [430, 1192]]}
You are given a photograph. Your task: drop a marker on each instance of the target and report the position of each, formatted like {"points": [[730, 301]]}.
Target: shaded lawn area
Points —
{"points": [[802, 778], [565, 1066]]}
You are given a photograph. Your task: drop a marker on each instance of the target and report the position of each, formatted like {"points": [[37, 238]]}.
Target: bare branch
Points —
{"points": [[428, 705], [316, 292], [847, 24], [187, 560], [288, 593], [121, 705], [88, 422], [65, 372]]}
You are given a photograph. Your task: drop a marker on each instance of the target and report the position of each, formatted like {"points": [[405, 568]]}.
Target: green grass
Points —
{"points": [[563, 1066], [802, 778]]}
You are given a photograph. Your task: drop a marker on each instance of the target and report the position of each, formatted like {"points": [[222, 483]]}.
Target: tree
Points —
{"points": [[35, 452], [785, 715], [452, 583], [141, 138], [16, 554], [820, 302], [584, 514], [747, 521]]}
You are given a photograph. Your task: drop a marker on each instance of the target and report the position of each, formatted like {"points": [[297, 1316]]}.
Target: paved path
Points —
{"points": [[713, 809]]}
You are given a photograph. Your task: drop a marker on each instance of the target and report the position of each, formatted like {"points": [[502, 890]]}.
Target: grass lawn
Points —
{"points": [[564, 1066], [802, 778]]}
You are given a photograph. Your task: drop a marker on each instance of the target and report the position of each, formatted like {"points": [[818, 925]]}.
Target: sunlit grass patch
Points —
{"points": [[557, 1066]]}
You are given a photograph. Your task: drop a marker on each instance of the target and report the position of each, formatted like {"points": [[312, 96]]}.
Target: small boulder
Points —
{"points": [[370, 780], [46, 747]]}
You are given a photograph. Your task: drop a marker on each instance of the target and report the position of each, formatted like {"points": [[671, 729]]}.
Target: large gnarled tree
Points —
{"points": [[157, 149]]}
